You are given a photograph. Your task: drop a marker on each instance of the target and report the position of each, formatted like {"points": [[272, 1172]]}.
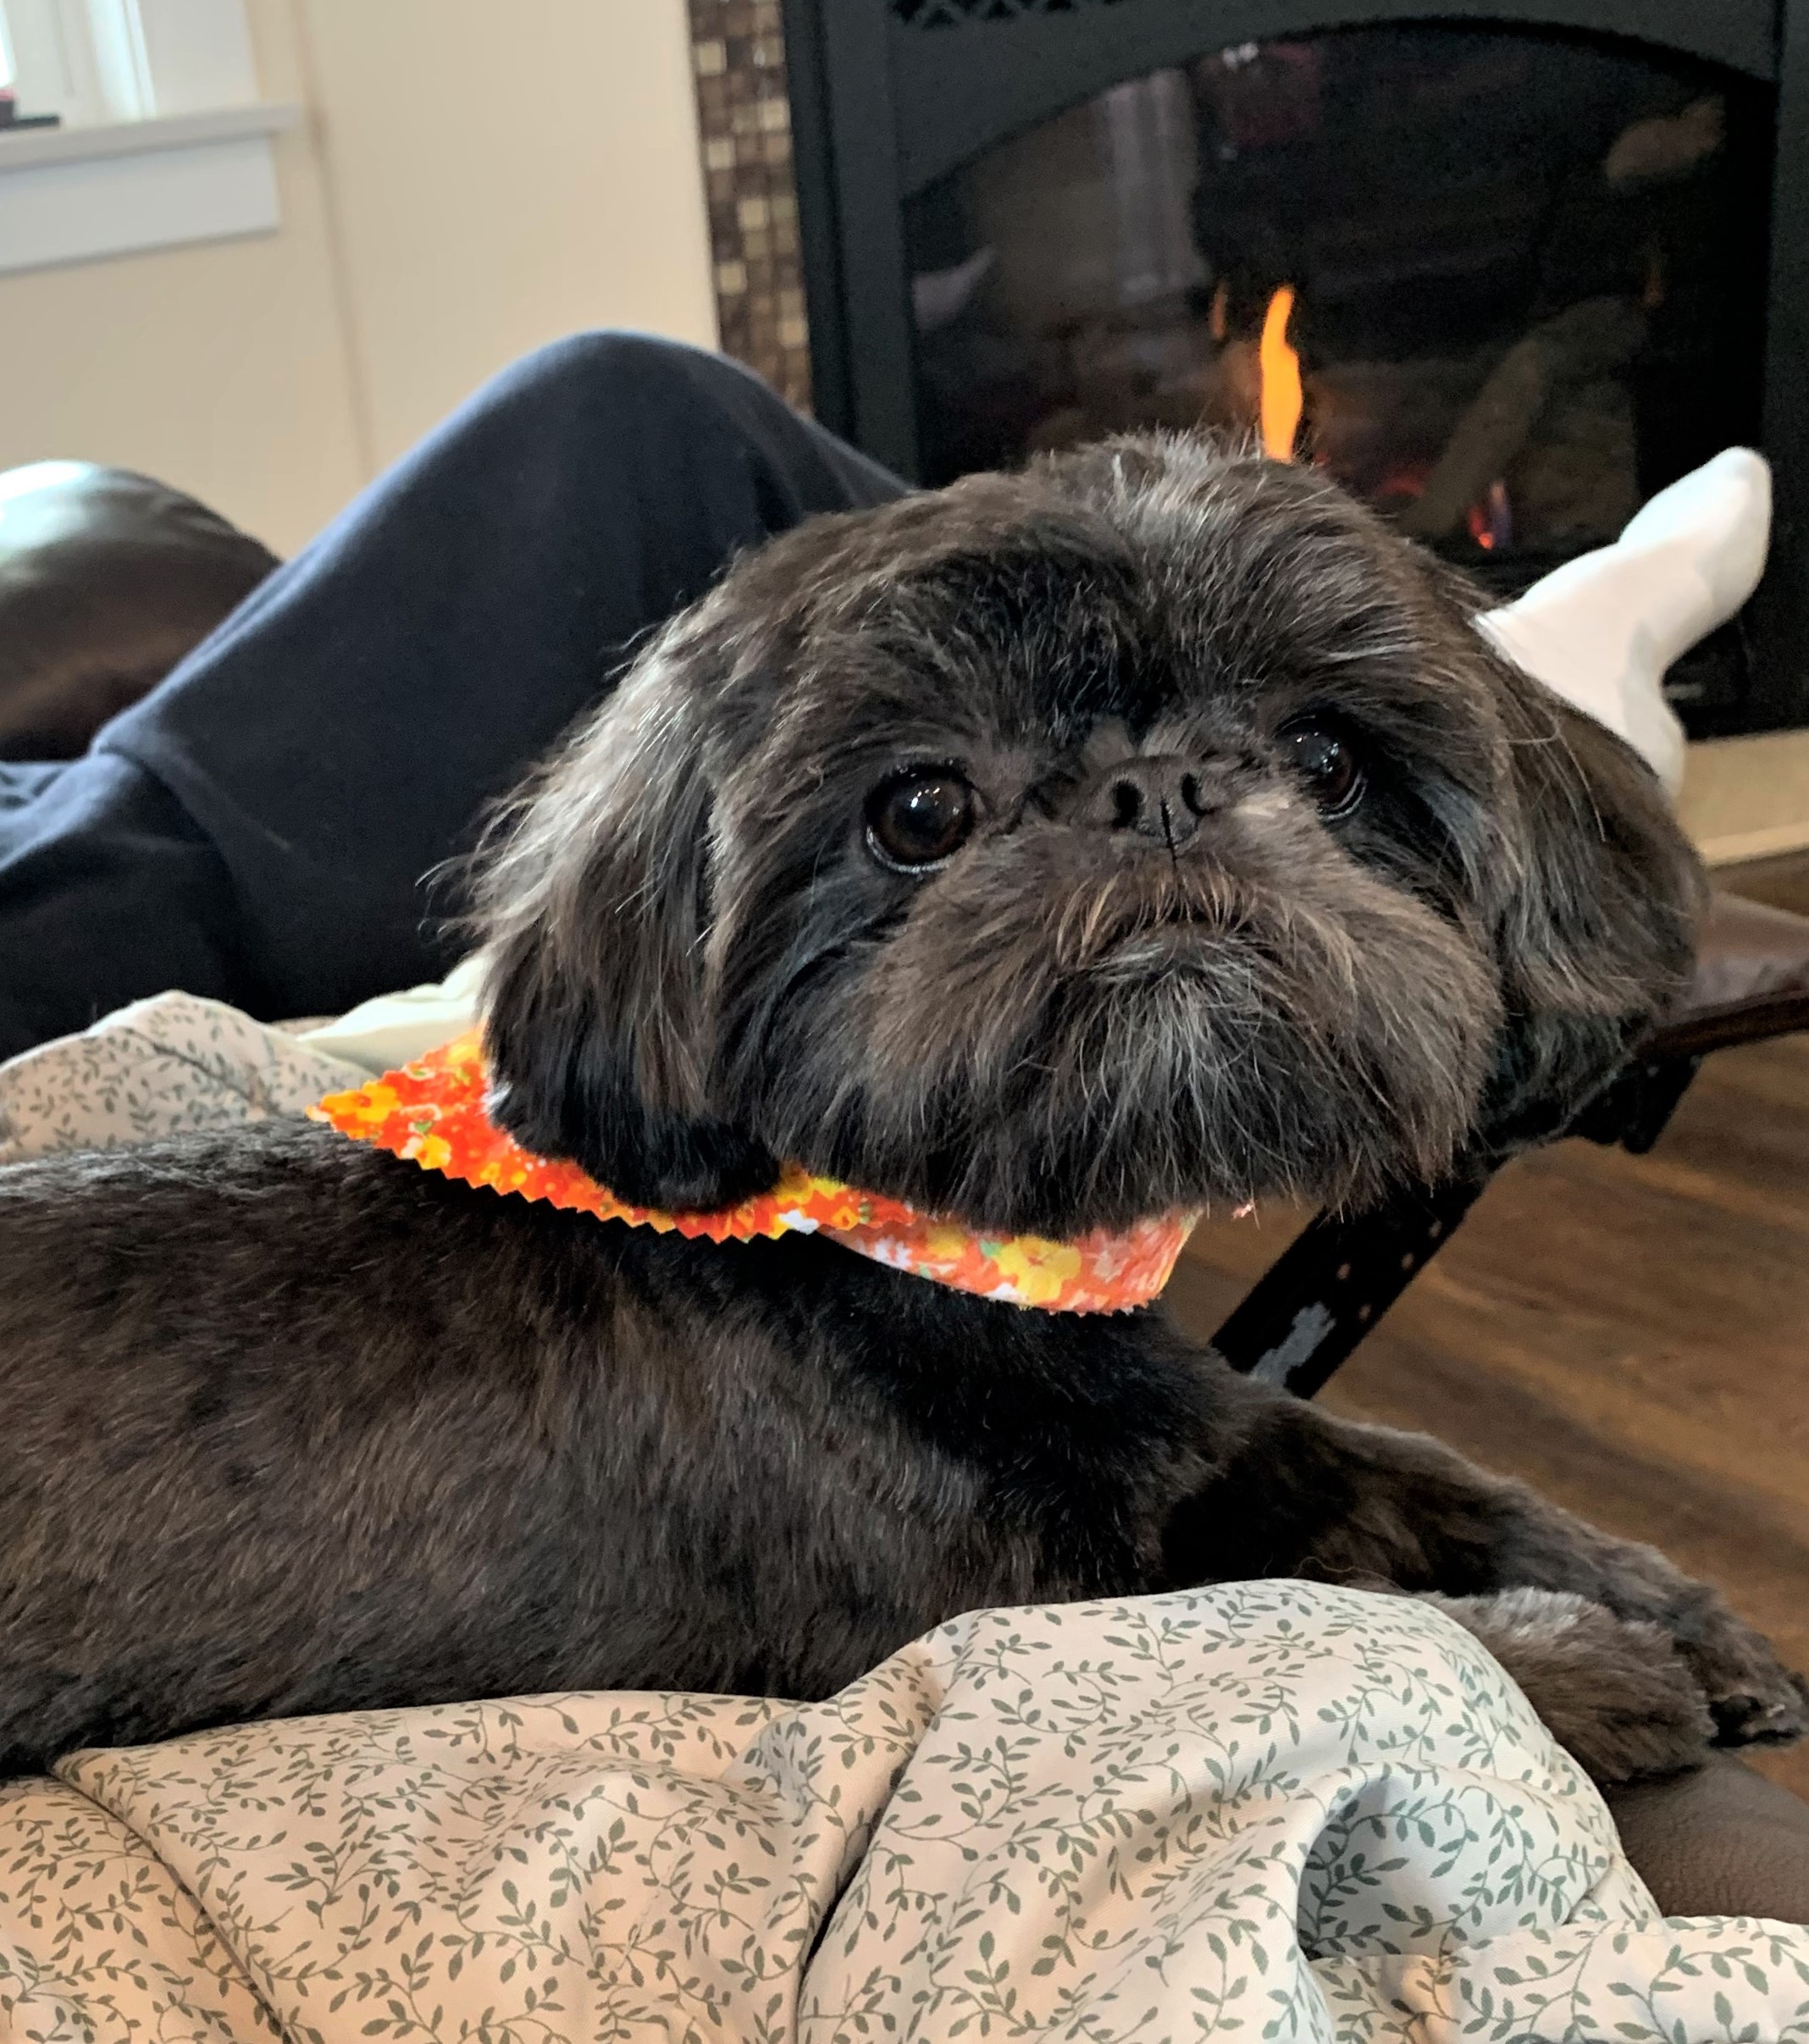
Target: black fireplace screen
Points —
{"points": [[1503, 285]]}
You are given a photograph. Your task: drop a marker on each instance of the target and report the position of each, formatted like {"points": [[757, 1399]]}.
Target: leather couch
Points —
{"points": [[108, 578]]}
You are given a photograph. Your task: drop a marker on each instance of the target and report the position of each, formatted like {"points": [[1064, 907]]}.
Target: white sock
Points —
{"points": [[1603, 628]]}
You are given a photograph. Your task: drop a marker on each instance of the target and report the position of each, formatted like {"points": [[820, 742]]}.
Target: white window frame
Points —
{"points": [[98, 62], [162, 138]]}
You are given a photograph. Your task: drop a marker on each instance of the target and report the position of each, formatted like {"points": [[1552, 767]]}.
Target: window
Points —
{"points": [[96, 62], [160, 138]]}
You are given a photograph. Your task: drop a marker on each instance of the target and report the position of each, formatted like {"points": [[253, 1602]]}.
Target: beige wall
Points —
{"points": [[474, 177], [495, 187]]}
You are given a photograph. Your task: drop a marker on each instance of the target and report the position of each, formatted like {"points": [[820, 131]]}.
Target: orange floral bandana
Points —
{"points": [[432, 1113]]}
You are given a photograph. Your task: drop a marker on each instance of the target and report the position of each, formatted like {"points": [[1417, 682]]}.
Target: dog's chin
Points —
{"points": [[1171, 1090]]}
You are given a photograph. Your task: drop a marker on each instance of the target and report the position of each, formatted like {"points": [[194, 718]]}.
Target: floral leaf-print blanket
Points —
{"points": [[161, 1067], [1270, 1810]]}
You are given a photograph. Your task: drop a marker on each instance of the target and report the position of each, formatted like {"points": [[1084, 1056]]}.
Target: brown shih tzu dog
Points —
{"points": [[1146, 831]]}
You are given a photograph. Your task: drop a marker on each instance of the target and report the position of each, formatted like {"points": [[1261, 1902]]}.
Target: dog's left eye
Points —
{"points": [[918, 819], [1328, 765]]}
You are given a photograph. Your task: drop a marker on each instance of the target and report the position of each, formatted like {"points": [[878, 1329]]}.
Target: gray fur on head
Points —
{"points": [[697, 966]]}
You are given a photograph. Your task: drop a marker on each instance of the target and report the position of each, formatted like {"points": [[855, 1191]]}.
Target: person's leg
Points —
{"points": [[261, 827]]}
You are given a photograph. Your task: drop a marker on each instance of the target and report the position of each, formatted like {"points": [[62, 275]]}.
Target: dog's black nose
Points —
{"points": [[1162, 798]]}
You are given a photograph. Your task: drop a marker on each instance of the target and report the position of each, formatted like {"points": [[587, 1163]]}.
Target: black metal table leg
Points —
{"points": [[1324, 1294]]}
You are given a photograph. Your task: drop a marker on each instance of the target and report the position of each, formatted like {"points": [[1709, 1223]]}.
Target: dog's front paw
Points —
{"points": [[1754, 1699], [1618, 1694]]}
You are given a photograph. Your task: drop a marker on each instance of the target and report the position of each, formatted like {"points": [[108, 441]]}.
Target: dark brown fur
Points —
{"points": [[292, 1426]]}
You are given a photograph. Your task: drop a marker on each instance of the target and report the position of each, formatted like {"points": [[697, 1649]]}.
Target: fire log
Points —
{"points": [[1581, 344]]}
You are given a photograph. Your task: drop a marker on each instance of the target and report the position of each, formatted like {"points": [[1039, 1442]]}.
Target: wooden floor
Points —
{"points": [[1629, 1334]]}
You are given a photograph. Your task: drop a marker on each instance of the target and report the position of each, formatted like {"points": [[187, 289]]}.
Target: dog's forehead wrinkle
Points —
{"points": [[1108, 742]]}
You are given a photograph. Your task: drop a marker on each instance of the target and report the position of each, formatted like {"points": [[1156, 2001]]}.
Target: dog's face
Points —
{"points": [[1149, 829]]}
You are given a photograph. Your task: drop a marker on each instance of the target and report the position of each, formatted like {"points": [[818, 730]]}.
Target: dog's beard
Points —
{"points": [[1056, 1041]]}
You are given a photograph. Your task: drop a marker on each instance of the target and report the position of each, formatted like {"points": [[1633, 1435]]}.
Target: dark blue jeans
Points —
{"points": [[265, 825]]}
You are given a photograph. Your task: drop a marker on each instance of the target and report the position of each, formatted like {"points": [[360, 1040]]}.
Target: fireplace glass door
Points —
{"points": [[1505, 285]]}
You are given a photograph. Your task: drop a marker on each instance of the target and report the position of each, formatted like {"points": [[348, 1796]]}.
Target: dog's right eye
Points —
{"points": [[1329, 765], [918, 819]]}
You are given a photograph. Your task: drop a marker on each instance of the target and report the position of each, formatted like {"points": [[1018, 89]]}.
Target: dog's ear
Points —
{"points": [[593, 905], [1596, 905]]}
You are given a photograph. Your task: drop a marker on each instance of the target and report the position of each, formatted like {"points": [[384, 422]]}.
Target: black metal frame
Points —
{"points": [[1324, 1294], [881, 109]]}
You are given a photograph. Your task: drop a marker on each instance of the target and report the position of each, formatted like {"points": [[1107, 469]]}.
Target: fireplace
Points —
{"points": [[1505, 272]]}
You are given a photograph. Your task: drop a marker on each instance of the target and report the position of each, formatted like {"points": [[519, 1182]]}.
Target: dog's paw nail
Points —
{"points": [[1757, 1721], [1732, 1713]]}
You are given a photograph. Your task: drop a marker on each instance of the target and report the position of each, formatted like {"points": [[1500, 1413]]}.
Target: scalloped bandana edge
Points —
{"points": [[432, 1114]]}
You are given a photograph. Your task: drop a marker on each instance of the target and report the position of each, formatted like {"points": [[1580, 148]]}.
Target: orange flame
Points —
{"points": [[1282, 399], [1490, 518]]}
